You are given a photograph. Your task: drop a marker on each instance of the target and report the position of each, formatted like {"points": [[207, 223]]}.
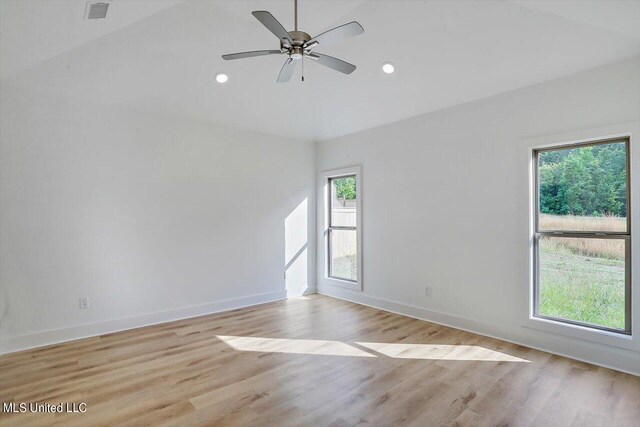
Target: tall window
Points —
{"points": [[342, 245], [582, 246]]}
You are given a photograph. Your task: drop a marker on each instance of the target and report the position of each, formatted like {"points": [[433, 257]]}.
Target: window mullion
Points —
{"points": [[582, 234]]}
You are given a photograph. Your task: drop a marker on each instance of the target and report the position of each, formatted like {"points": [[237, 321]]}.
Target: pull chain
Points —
{"points": [[295, 25]]}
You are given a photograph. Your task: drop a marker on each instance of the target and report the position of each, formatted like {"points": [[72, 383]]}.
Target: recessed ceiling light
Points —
{"points": [[388, 67], [221, 78]]}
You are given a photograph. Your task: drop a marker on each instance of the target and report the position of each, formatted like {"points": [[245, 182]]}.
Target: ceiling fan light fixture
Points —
{"points": [[388, 67], [222, 78]]}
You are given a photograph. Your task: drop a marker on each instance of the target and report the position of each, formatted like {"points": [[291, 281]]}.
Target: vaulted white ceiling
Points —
{"points": [[161, 56]]}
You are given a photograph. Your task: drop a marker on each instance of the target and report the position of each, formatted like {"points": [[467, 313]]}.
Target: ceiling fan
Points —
{"points": [[298, 45]]}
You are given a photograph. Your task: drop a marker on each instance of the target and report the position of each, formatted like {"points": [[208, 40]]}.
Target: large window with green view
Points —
{"points": [[582, 235], [343, 243]]}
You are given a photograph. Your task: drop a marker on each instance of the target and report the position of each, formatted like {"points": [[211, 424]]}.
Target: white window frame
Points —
{"points": [[614, 339], [324, 221]]}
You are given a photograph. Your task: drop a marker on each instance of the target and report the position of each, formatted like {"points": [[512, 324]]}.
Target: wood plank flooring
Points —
{"points": [[312, 361]]}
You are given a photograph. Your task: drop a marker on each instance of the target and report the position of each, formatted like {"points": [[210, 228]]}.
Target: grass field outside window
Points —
{"points": [[582, 280]]}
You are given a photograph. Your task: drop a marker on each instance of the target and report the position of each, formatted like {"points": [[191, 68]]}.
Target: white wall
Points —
{"points": [[462, 174], [153, 218]]}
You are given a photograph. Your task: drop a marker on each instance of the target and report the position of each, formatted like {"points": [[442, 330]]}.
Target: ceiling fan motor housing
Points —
{"points": [[299, 39]]}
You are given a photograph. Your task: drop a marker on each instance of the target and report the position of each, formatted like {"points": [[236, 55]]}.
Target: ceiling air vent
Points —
{"points": [[96, 10]]}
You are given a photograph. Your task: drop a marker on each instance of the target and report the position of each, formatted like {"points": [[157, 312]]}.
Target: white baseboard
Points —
{"points": [[56, 336], [626, 361]]}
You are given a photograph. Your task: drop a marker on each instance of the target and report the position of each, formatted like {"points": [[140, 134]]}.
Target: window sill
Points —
{"points": [[613, 339], [346, 284]]}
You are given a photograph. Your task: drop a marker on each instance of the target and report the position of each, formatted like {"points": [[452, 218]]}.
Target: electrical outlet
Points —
{"points": [[427, 291], [83, 302]]}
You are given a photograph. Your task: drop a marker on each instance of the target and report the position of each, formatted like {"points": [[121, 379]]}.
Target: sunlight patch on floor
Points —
{"points": [[295, 346], [439, 352], [396, 351]]}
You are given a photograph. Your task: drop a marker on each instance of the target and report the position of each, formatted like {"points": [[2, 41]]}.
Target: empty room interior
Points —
{"points": [[320, 213]]}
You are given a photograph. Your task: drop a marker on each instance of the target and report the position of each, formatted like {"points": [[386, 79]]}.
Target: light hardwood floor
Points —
{"points": [[313, 361]]}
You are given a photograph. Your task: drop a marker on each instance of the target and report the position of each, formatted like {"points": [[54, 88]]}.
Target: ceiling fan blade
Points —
{"points": [[335, 34], [287, 71], [250, 54], [331, 62], [272, 25]]}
